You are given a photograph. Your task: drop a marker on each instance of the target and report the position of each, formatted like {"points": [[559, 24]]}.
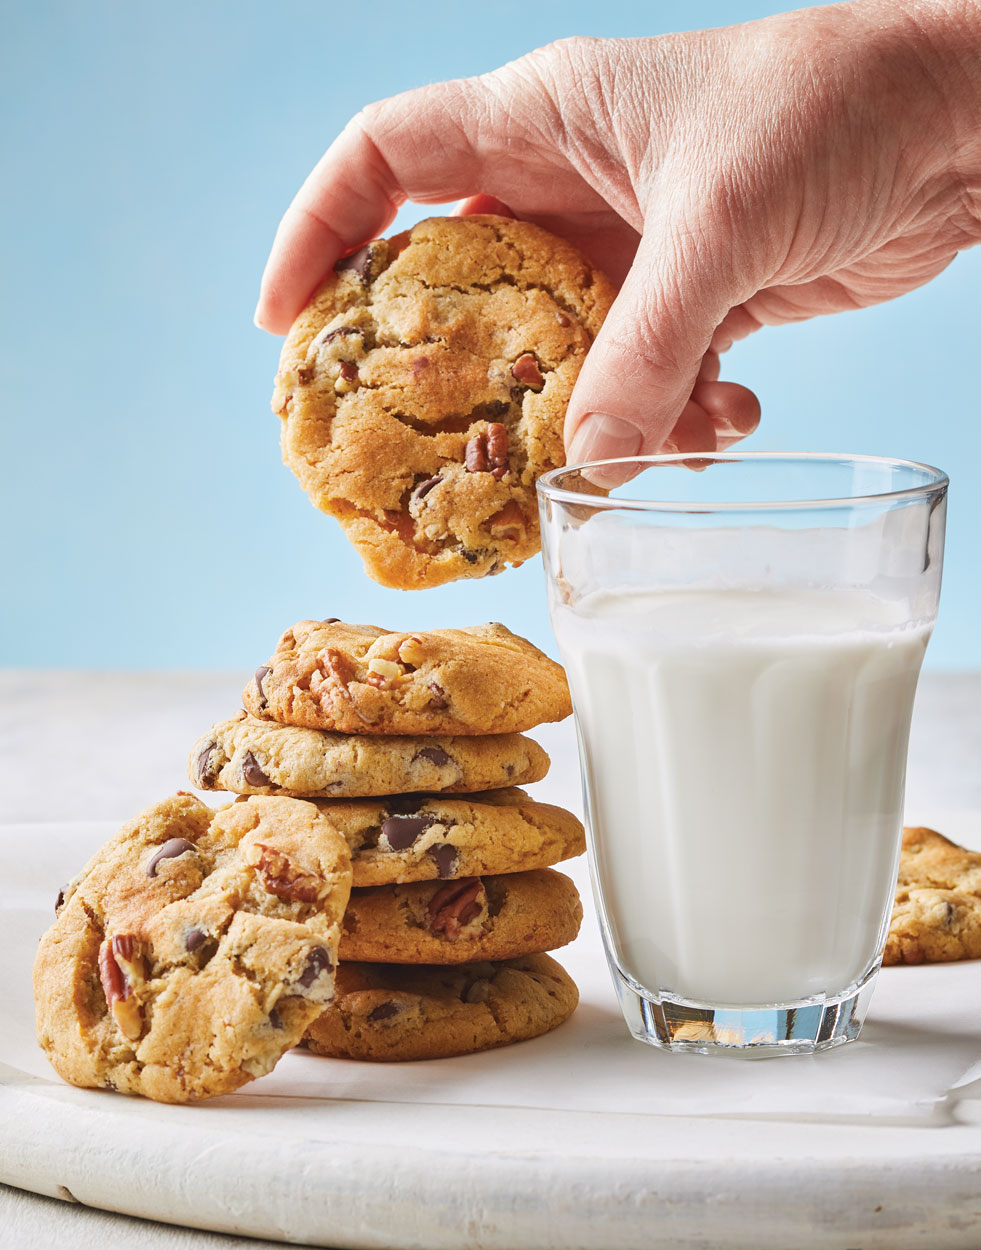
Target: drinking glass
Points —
{"points": [[743, 634]]}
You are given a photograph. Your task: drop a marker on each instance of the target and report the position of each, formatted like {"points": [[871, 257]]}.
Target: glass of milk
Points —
{"points": [[743, 634]]}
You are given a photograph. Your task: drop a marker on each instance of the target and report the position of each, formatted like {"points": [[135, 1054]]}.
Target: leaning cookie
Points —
{"points": [[359, 679], [247, 755], [393, 1013], [937, 914], [194, 948], [423, 389], [455, 922], [423, 837]]}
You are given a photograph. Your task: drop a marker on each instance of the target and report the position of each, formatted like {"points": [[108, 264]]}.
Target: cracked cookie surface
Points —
{"points": [[423, 392], [405, 838], [459, 921], [247, 755], [937, 913], [395, 1013], [360, 679], [194, 948]]}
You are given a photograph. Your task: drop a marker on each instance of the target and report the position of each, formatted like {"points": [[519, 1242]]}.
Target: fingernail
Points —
{"points": [[601, 437]]}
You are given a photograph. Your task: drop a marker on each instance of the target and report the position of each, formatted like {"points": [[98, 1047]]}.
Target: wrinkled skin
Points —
{"points": [[727, 179]]}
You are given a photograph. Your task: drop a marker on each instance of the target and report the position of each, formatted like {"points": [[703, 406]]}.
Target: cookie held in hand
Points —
{"points": [[194, 949], [423, 392], [937, 914]]}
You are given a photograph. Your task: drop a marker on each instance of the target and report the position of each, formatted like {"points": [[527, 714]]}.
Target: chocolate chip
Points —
{"points": [[60, 902], [340, 332], [402, 831], [525, 369], [423, 489], [349, 371], [419, 366], [170, 850], [471, 557], [251, 771], [203, 774], [384, 1011], [435, 755], [446, 859], [562, 319], [259, 675], [318, 961], [304, 375], [439, 699], [275, 1019], [330, 620], [367, 262], [194, 938]]}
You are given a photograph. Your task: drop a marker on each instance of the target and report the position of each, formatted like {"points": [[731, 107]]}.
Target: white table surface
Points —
{"points": [[100, 746]]}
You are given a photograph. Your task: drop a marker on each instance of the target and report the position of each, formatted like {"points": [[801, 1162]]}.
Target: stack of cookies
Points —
{"points": [[412, 746]]}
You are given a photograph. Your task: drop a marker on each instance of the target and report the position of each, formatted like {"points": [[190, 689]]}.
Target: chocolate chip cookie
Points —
{"points": [[420, 838], [937, 915], [360, 679], [388, 1012], [194, 948], [459, 921], [251, 756], [423, 390]]}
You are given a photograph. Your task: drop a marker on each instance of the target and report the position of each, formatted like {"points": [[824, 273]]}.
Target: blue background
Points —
{"points": [[148, 153]]}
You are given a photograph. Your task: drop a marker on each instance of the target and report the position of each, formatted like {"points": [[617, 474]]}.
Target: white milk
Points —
{"points": [[745, 757]]}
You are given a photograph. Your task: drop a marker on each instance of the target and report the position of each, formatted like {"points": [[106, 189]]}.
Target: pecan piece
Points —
{"points": [[280, 878], [488, 452], [381, 672], [454, 906], [337, 670], [120, 970], [509, 524], [525, 370]]}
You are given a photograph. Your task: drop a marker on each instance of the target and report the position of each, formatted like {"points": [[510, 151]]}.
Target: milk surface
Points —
{"points": [[745, 758]]}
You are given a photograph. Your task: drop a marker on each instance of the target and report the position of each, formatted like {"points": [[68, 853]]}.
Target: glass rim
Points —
{"points": [[548, 489]]}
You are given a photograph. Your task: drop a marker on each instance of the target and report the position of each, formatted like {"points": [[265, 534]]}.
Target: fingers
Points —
{"points": [[413, 146], [635, 391], [482, 204]]}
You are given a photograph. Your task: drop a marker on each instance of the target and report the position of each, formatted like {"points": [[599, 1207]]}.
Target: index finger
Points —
{"points": [[413, 145]]}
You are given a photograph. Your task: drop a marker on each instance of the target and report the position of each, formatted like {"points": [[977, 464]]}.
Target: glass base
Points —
{"points": [[755, 1032]]}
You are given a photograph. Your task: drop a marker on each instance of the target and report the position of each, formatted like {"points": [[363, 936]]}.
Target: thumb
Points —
{"points": [[637, 379]]}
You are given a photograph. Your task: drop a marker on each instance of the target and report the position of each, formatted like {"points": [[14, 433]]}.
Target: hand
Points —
{"points": [[727, 179]]}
